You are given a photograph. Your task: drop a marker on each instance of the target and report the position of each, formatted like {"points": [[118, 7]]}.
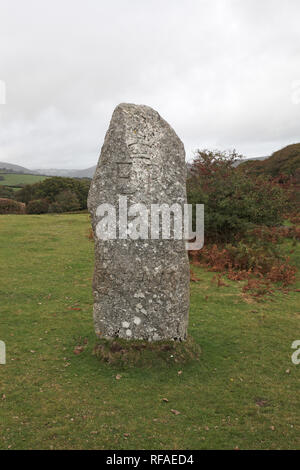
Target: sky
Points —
{"points": [[224, 73]]}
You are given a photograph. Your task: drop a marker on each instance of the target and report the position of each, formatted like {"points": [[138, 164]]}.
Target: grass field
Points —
{"points": [[242, 393], [15, 180]]}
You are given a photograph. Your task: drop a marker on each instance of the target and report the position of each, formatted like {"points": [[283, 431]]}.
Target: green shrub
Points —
{"points": [[7, 192], [234, 201], [51, 188], [55, 207], [67, 201], [38, 206]]}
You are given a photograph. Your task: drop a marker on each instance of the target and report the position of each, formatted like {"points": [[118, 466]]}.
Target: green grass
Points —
{"points": [[51, 398], [15, 180]]}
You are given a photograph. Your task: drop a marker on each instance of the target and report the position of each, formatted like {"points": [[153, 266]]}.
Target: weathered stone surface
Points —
{"points": [[141, 287]]}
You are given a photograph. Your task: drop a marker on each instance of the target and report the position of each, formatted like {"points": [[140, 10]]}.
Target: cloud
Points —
{"points": [[221, 73]]}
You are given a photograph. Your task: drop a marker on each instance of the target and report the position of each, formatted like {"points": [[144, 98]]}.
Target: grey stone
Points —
{"points": [[141, 287]]}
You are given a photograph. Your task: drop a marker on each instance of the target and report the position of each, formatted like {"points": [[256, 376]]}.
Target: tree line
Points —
{"points": [[57, 194]]}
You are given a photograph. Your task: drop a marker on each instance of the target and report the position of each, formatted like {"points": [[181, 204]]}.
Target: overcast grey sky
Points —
{"points": [[221, 72]]}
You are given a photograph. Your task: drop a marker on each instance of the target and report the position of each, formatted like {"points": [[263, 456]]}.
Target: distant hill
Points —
{"points": [[244, 160], [285, 161], [15, 168], [85, 173]]}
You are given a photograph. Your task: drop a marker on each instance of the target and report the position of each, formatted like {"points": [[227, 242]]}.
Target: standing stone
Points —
{"points": [[141, 287]]}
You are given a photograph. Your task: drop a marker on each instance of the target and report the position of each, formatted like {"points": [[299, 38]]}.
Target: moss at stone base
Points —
{"points": [[140, 353]]}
